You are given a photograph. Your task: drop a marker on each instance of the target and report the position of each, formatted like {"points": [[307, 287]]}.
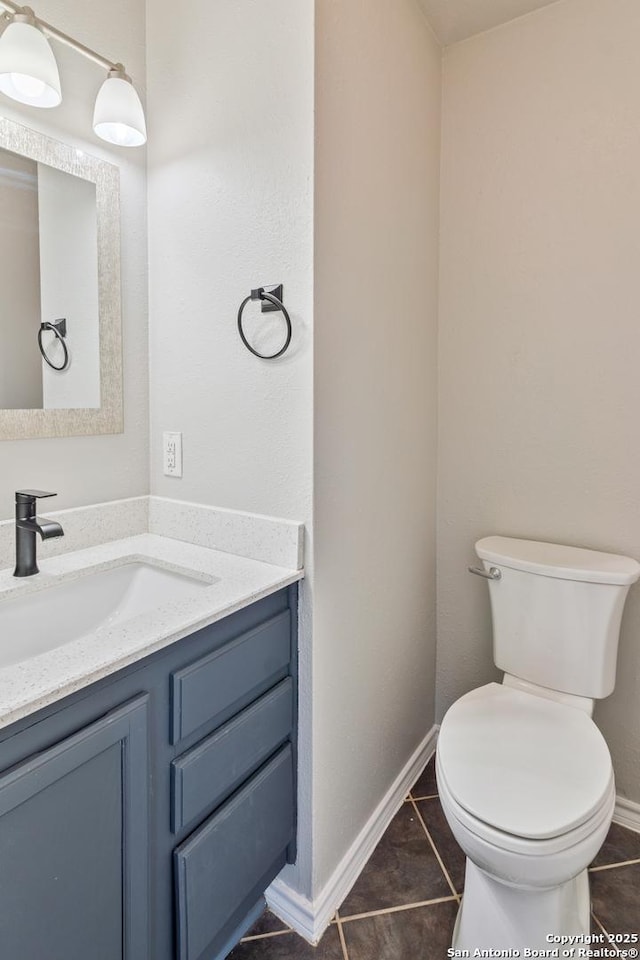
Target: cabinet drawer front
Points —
{"points": [[228, 862], [230, 677], [208, 774]]}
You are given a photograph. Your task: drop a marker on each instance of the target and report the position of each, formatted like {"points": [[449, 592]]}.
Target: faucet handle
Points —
{"points": [[34, 494]]}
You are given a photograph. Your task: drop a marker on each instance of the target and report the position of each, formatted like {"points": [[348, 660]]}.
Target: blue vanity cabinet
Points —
{"points": [[73, 844], [143, 817]]}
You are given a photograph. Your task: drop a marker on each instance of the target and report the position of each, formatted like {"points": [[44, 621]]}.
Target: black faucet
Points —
{"points": [[27, 525]]}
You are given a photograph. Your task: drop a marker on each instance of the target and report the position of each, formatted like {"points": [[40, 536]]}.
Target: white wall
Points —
{"points": [[539, 335], [91, 469], [230, 209], [376, 272]]}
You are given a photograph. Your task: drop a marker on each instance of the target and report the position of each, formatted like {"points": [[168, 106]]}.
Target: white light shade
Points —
{"points": [[28, 68], [118, 116]]}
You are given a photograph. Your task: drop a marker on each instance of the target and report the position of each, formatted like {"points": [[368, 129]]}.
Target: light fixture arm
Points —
{"points": [[50, 31]]}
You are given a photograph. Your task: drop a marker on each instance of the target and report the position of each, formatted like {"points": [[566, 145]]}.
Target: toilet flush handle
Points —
{"points": [[494, 573]]}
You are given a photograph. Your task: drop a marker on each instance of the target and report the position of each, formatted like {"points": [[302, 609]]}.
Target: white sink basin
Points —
{"points": [[67, 611]]}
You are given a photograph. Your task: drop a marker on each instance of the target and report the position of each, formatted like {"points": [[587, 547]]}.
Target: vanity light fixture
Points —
{"points": [[29, 74], [28, 68], [118, 116]]}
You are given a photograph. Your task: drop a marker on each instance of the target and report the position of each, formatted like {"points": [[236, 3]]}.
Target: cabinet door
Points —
{"points": [[73, 845]]}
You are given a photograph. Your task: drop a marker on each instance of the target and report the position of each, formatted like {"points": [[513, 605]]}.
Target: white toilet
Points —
{"points": [[524, 775]]}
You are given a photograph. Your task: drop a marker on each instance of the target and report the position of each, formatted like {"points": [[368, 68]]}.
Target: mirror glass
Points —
{"points": [[60, 353], [48, 272]]}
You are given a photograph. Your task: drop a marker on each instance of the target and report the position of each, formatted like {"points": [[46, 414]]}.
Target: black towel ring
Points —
{"points": [[273, 303], [59, 328]]}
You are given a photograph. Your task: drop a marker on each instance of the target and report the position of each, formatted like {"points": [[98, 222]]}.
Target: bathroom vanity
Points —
{"points": [[144, 815]]}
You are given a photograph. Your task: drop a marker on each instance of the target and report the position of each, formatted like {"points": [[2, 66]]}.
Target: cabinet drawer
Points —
{"points": [[223, 868], [206, 775], [231, 677]]}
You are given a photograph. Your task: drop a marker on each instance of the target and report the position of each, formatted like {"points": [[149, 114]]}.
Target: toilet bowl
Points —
{"points": [[524, 776], [527, 787]]}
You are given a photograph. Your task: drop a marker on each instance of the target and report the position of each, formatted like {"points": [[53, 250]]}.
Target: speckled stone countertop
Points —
{"points": [[232, 582]]}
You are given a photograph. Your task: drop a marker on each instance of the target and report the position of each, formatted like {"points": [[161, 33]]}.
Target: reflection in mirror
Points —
{"points": [[48, 270], [60, 327]]}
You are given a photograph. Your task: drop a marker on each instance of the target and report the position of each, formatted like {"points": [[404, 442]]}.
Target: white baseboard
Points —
{"points": [[310, 918], [294, 909], [627, 813]]}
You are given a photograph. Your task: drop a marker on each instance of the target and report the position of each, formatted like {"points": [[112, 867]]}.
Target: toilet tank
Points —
{"points": [[556, 612]]}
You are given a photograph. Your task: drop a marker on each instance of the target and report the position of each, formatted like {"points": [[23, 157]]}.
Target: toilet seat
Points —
{"points": [[520, 768], [525, 846]]}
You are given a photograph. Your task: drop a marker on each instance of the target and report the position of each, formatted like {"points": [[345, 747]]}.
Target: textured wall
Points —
{"points": [[91, 469], [230, 208], [539, 331], [376, 269]]}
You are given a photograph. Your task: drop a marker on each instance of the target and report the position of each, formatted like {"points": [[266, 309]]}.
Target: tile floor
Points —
{"points": [[404, 903]]}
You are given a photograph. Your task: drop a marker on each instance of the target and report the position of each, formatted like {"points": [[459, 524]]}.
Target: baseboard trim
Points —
{"points": [[310, 918], [294, 909], [627, 813]]}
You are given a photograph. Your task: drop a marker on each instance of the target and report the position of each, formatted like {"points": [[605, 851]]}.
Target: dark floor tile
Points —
{"points": [[402, 869], [446, 844], [615, 898], [289, 946], [267, 922], [621, 844], [425, 785], [423, 932]]}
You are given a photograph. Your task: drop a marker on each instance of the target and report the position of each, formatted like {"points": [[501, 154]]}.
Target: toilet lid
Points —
{"points": [[523, 764]]}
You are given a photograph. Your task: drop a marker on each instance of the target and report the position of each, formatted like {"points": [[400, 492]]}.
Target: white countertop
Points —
{"points": [[34, 683]]}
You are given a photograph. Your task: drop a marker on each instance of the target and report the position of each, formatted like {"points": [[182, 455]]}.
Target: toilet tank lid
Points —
{"points": [[556, 560]]}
